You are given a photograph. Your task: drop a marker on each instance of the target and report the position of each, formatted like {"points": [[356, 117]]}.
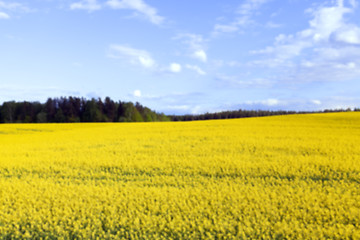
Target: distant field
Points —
{"points": [[295, 176]]}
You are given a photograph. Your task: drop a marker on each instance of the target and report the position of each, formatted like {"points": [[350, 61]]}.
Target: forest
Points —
{"points": [[248, 113], [74, 109]]}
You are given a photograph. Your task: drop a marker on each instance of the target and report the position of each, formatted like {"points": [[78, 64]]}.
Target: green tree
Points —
{"points": [[92, 112], [59, 116], [110, 109], [41, 117], [8, 112]]}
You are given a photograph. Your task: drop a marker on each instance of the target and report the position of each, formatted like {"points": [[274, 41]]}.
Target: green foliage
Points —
{"points": [[59, 116], [8, 112], [242, 114], [137, 116], [41, 117], [73, 109], [92, 112]]}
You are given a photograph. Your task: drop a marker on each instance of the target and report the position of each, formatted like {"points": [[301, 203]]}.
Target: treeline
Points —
{"points": [[247, 113], [74, 109]]}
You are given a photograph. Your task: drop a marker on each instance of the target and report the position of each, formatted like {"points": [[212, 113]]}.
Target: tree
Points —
{"points": [[110, 109], [74, 109], [92, 112], [59, 116], [50, 110], [8, 112], [41, 117], [126, 112], [136, 116]]}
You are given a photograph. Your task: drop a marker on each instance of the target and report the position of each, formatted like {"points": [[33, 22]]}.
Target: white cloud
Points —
{"points": [[245, 12], [146, 61], [320, 52], [194, 41], [285, 51], [350, 65], [316, 102], [301, 104], [233, 26], [142, 58], [196, 69], [175, 68], [249, 6], [137, 93], [89, 5], [327, 20], [225, 28], [244, 82], [135, 56], [271, 102], [353, 3], [4, 15], [350, 34], [195, 45], [200, 55], [137, 5], [140, 6], [11, 7], [329, 24]]}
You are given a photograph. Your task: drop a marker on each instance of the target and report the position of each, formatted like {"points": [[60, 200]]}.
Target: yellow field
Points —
{"points": [[279, 177]]}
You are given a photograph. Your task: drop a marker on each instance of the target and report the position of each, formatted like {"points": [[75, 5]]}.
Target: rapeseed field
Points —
{"points": [[284, 177]]}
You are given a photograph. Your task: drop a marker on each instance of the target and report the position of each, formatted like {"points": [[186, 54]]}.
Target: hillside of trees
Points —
{"points": [[246, 113], [73, 109]]}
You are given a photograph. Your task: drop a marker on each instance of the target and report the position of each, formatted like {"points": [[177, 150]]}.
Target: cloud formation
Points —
{"points": [[244, 17], [13, 6], [137, 93], [200, 55], [195, 68], [175, 68], [139, 6], [89, 5], [134, 56], [244, 82], [195, 44], [141, 58], [4, 15], [320, 52], [250, 6], [6, 7]]}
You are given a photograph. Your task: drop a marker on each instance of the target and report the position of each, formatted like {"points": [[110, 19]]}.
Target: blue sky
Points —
{"points": [[183, 56]]}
